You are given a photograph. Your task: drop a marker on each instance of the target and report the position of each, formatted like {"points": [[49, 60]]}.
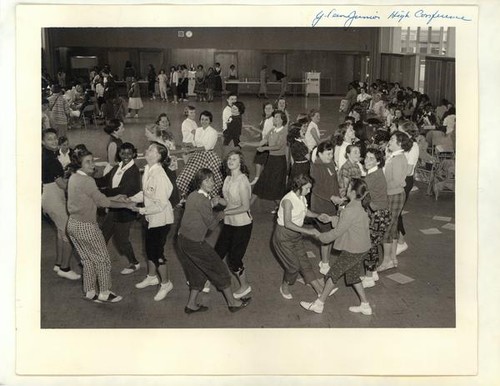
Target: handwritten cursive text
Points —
{"points": [[349, 17]]}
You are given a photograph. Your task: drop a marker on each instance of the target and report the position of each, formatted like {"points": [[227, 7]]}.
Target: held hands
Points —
{"points": [[337, 200], [324, 218], [120, 198], [315, 233], [215, 201], [220, 215], [133, 207]]}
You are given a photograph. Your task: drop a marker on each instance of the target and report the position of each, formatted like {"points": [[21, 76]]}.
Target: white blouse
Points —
{"points": [[206, 138], [188, 125], [299, 209], [232, 189]]}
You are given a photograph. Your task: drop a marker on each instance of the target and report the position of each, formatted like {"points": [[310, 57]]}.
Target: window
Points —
{"points": [[427, 41]]}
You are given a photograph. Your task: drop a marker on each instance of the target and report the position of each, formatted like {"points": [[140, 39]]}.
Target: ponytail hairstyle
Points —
{"points": [[338, 136], [360, 187], [293, 133]]}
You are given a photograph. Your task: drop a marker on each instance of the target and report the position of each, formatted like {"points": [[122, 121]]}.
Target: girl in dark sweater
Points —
{"points": [[198, 259]]}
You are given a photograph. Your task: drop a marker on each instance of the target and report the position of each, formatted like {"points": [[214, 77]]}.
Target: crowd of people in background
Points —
{"points": [[352, 186]]}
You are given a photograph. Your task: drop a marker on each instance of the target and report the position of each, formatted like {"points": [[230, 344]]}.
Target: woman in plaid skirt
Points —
{"points": [[395, 170], [204, 156]]}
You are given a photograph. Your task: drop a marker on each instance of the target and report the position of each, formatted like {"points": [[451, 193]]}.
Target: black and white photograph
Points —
{"points": [[212, 194], [290, 123]]}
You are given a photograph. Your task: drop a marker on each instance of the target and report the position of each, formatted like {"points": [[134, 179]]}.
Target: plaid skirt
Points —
{"points": [[379, 221], [201, 159], [396, 203]]}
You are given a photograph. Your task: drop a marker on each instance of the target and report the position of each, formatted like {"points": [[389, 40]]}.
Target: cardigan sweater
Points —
{"points": [[395, 170], [198, 217], [377, 186], [325, 179], [84, 198], [352, 233]]}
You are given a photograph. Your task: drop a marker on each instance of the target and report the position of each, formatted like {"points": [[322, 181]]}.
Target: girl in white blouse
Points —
{"points": [[155, 194], [235, 234]]}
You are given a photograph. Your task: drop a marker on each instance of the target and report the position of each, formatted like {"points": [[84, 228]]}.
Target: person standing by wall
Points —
{"points": [[151, 81], [129, 74], [263, 83], [283, 79]]}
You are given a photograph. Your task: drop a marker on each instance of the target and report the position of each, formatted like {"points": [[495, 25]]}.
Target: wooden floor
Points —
{"points": [[427, 301]]}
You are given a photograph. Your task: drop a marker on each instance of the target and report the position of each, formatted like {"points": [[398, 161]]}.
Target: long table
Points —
{"points": [[248, 83]]}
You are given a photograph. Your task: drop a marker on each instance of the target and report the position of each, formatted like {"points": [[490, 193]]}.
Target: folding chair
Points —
{"points": [[88, 112]]}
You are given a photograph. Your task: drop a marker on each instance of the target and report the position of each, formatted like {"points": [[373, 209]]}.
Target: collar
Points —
{"points": [[82, 173], [201, 191], [148, 168], [278, 129], [372, 170], [126, 167], [64, 154]]}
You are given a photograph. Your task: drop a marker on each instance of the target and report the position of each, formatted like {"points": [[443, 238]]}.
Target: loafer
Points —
{"points": [[130, 269], [363, 308], [163, 291], [94, 298], [385, 267], [368, 282], [243, 294], [190, 311], [148, 281], [313, 306], [323, 268], [286, 296], [400, 248], [244, 302], [68, 275], [111, 298]]}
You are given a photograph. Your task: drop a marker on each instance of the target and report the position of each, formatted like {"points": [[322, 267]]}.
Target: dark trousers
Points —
{"points": [[120, 231], [155, 243], [408, 187], [233, 242], [291, 252], [200, 263]]}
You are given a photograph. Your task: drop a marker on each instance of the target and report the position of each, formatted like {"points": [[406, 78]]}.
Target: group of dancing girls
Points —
{"points": [[353, 214]]}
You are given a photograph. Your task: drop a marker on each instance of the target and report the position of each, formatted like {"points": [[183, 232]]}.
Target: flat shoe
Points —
{"points": [[383, 268], [112, 298], [190, 311], [286, 296], [94, 299], [243, 294], [244, 302]]}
